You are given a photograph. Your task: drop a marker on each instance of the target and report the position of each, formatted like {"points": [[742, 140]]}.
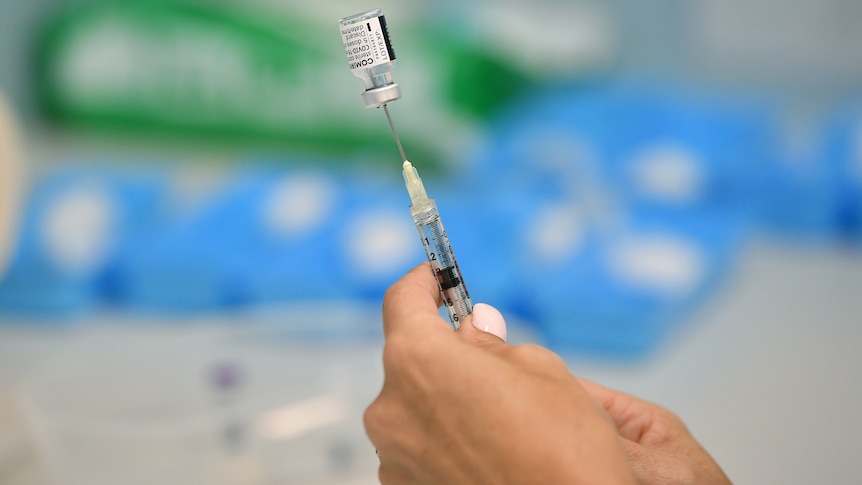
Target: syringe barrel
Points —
{"points": [[435, 241]]}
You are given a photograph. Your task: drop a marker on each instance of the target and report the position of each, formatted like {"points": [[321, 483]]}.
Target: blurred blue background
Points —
{"points": [[667, 193]]}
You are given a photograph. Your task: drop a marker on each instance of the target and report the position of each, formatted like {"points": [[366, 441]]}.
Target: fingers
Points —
{"points": [[637, 420], [659, 447], [626, 411], [602, 394], [411, 302]]}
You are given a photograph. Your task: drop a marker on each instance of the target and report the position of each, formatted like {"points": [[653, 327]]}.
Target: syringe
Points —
{"points": [[370, 54], [456, 299]]}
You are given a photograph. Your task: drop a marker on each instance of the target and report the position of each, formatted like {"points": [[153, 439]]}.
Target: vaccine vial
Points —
{"points": [[370, 56]]}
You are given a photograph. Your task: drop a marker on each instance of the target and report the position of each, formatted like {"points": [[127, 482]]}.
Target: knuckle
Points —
{"points": [[671, 421], [537, 356], [668, 416], [403, 353], [398, 352], [664, 416], [373, 419], [667, 424], [378, 419], [393, 293]]}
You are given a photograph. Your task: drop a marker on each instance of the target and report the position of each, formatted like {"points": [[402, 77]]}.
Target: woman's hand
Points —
{"points": [[465, 407], [659, 446]]}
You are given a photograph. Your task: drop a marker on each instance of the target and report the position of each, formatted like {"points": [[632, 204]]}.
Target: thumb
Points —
{"points": [[485, 326]]}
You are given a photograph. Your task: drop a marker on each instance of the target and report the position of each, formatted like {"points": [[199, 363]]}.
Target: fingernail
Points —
{"points": [[488, 319]]}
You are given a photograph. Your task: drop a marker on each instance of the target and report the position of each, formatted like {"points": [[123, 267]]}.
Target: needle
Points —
{"points": [[395, 133]]}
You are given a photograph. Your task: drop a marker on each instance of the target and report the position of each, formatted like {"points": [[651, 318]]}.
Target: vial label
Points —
{"points": [[367, 44]]}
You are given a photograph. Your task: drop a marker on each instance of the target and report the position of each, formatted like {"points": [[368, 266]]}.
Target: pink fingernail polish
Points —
{"points": [[488, 319]]}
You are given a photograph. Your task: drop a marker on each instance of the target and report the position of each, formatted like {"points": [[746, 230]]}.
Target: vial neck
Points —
{"points": [[378, 81]]}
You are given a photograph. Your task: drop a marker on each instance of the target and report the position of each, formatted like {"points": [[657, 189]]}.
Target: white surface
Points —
{"points": [[767, 377], [113, 397]]}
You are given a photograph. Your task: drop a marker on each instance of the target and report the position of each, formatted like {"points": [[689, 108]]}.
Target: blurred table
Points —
{"points": [[766, 376]]}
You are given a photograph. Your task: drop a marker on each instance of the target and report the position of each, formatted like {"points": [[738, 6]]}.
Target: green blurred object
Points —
{"points": [[195, 70], [478, 83]]}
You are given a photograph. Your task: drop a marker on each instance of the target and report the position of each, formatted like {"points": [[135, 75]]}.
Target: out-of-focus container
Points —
{"points": [[122, 414]]}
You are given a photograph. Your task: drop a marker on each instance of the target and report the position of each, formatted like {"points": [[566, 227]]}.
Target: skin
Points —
{"points": [[660, 448], [465, 407]]}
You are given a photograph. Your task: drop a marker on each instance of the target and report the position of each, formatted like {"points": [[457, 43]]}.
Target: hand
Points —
{"points": [[465, 407], [660, 448]]}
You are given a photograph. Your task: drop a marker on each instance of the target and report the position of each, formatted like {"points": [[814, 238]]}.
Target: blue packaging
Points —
{"points": [[647, 145], [77, 223], [603, 256], [307, 213], [698, 155], [842, 158], [376, 241], [802, 193], [262, 238], [629, 285]]}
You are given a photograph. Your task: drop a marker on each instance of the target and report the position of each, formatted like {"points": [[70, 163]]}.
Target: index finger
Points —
{"points": [[412, 302], [632, 416]]}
